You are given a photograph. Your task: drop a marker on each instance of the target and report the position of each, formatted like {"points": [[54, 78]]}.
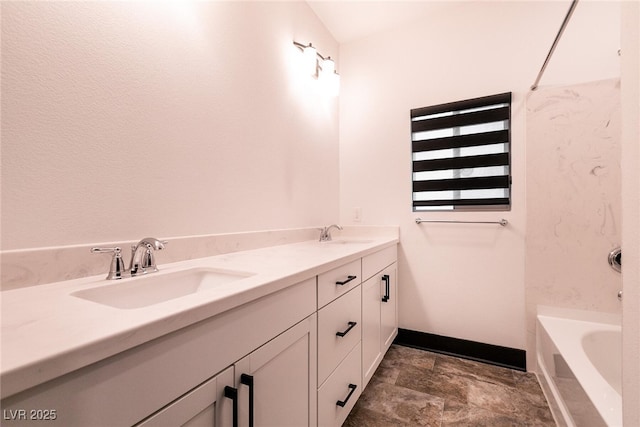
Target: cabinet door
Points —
{"points": [[379, 318], [277, 382], [388, 307], [371, 354], [204, 406]]}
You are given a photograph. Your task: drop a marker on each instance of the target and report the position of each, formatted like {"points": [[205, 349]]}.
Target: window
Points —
{"points": [[461, 155]]}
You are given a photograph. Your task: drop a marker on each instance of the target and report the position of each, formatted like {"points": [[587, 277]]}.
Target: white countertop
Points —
{"points": [[47, 332]]}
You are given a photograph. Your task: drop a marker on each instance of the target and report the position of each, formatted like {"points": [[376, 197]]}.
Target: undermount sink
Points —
{"points": [[347, 242], [143, 291]]}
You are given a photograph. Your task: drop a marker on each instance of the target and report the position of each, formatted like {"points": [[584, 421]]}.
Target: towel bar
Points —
{"points": [[503, 222]]}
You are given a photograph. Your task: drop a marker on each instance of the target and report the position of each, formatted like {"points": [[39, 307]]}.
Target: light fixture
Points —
{"points": [[333, 85], [328, 66], [310, 59], [320, 68], [329, 78]]}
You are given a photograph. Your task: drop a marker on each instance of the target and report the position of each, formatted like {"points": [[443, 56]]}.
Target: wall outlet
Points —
{"points": [[357, 214]]}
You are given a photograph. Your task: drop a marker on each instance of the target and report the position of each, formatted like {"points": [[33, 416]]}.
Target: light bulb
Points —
{"points": [[328, 66], [310, 60], [334, 84], [330, 80]]}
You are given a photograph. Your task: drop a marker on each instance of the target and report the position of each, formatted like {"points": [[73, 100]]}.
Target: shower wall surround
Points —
{"points": [[573, 199]]}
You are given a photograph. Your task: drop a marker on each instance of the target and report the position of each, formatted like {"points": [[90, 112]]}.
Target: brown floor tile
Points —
{"points": [[506, 400], [400, 355], [402, 404], [446, 386], [362, 417], [474, 370], [413, 387], [385, 373], [527, 381], [464, 415]]}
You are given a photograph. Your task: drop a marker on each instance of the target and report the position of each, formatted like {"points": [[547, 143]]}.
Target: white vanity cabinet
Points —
{"points": [[339, 330], [339, 369], [273, 386], [300, 356], [388, 307], [379, 308], [339, 338], [204, 406], [338, 281], [357, 322], [131, 386], [276, 383], [339, 393]]}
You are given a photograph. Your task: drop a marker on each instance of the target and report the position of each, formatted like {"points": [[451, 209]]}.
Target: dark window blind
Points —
{"points": [[461, 154]]}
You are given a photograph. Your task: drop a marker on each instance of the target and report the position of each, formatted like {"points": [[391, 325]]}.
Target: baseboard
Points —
{"points": [[487, 353]]}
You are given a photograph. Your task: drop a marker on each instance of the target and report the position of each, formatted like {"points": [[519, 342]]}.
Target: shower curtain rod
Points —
{"points": [[574, 3]]}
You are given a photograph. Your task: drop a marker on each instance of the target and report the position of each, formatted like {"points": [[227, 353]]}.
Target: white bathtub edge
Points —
{"points": [[582, 315], [561, 414], [590, 380]]}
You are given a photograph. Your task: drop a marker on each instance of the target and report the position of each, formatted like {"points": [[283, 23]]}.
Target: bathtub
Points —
{"points": [[580, 367]]}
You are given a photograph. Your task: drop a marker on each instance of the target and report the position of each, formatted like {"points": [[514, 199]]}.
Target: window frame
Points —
{"points": [[429, 155]]}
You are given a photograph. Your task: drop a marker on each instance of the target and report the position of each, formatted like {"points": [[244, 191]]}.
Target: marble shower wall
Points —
{"points": [[573, 199]]}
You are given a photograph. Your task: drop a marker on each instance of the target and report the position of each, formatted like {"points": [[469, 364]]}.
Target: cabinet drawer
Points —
{"points": [[338, 281], [343, 387], [373, 263], [339, 330]]}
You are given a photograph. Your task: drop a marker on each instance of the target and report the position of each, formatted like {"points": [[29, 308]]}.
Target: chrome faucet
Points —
{"points": [[142, 258], [325, 232]]}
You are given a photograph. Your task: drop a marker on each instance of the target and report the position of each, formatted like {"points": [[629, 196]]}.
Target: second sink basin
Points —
{"points": [[143, 291]]}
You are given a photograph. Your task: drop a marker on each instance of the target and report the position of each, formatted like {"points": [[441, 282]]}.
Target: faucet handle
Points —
{"points": [[115, 250], [117, 269]]}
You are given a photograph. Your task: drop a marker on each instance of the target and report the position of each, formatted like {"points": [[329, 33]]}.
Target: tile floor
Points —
{"points": [[417, 388]]}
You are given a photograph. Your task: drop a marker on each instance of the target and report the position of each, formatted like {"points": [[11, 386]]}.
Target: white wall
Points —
{"points": [[126, 119], [464, 281], [630, 89]]}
